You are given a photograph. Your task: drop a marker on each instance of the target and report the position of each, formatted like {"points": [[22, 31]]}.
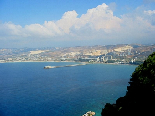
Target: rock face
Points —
{"points": [[89, 113]]}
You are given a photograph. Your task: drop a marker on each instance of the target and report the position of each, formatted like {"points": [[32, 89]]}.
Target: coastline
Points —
{"points": [[111, 63], [33, 61], [69, 61]]}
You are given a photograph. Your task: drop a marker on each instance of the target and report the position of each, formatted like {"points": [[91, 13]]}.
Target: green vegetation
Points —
{"points": [[140, 96]]}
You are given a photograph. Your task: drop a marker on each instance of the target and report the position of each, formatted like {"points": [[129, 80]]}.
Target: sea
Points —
{"points": [[27, 89]]}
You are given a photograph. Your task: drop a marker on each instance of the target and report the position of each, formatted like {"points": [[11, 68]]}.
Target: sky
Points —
{"points": [[67, 23]]}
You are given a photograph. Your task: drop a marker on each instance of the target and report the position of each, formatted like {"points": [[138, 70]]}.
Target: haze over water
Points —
{"points": [[28, 89]]}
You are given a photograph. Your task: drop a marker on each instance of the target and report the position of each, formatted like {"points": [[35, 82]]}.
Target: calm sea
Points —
{"points": [[27, 89]]}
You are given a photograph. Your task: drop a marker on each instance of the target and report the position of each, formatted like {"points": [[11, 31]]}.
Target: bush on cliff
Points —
{"points": [[140, 96]]}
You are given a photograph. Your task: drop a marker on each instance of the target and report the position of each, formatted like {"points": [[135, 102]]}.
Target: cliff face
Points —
{"points": [[140, 96]]}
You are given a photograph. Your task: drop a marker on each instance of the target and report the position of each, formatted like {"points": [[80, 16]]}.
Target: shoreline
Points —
{"points": [[33, 61], [68, 61], [113, 63]]}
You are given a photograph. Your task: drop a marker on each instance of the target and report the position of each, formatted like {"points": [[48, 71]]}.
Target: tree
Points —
{"points": [[109, 110], [140, 96]]}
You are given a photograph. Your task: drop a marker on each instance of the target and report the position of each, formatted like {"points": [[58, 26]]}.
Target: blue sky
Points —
{"points": [[26, 12], [42, 23]]}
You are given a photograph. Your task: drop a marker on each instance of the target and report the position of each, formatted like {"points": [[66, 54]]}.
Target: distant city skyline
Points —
{"points": [[64, 23], [117, 54]]}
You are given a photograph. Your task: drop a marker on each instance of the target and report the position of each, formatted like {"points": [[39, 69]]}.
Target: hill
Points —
{"points": [[140, 96]]}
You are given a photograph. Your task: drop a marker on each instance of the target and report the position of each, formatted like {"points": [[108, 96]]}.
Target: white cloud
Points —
{"points": [[11, 28], [100, 17], [37, 30], [97, 24], [68, 20], [8, 30], [150, 16], [52, 27], [149, 12]]}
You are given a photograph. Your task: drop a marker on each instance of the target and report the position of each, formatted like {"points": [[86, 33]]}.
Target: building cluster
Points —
{"points": [[122, 54]]}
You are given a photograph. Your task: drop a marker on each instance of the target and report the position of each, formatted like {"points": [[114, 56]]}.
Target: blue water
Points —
{"points": [[26, 89]]}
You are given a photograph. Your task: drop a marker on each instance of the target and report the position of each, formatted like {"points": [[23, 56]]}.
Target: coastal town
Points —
{"points": [[119, 54]]}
